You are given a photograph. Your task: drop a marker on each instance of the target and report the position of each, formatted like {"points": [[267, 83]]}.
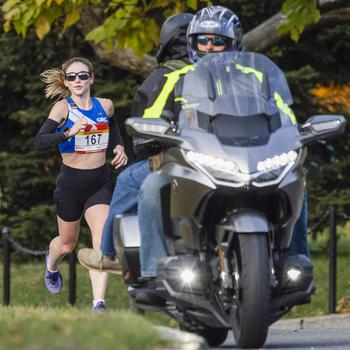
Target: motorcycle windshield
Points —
{"points": [[239, 96]]}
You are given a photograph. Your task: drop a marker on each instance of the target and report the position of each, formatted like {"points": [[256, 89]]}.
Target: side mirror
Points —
{"points": [[156, 129], [321, 127], [146, 127]]}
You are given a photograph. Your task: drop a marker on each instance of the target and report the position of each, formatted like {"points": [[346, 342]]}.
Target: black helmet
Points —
{"points": [[214, 20], [173, 28]]}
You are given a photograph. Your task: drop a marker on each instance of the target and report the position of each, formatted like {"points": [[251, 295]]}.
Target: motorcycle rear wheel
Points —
{"points": [[250, 307]]}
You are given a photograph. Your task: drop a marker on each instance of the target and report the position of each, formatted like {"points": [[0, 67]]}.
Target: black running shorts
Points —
{"points": [[78, 189]]}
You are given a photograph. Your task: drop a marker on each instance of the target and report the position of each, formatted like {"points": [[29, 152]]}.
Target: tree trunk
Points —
{"points": [[263, 36]]}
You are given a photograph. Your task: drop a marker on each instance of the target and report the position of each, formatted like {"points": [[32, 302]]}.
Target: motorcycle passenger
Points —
{"points": [[149, 101], [213, 29]]}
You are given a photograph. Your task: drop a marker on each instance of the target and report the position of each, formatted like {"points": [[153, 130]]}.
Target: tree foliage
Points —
{"points": [[315, 67], [335, 98], [130, 24], [127, 24], [298, 13], [119, 29]]}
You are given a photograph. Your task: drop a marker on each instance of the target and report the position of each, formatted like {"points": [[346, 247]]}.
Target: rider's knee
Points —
{"points": [[152, 186]]}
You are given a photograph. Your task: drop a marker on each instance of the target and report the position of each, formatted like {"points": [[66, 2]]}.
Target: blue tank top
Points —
{"points": [[95, 115]]}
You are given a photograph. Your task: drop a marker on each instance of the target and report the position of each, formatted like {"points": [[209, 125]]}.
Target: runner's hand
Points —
{"points": [[120, 158], [79, 125]]}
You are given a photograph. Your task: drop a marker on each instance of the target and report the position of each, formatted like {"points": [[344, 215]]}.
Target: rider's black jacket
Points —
{"points": [[146, 96]]}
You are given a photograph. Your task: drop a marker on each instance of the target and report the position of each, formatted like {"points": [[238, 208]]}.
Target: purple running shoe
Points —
{"points": [[99, 307], [53, 280]]}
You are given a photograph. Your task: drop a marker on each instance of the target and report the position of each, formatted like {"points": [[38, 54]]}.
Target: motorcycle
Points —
{"points": [[235, 157]]}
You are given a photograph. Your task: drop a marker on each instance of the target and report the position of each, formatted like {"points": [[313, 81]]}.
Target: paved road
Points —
{"points": [[330, 339], [327, 332]]}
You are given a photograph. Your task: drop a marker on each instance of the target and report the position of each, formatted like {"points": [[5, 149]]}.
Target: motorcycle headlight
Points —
{"points": [[275, 167], [270, 175], [268, 172], [277, 162], [219, 168]]}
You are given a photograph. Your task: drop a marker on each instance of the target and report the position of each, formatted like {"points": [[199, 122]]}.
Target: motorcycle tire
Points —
{"points": [[213, 336], [250, 309]]}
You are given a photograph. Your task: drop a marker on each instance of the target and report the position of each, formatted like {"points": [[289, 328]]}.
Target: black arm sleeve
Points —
{"points": [[114, 134], [46, 137]]}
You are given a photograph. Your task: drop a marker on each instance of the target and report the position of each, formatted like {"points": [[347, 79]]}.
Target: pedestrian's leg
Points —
{"points": [[95, 217], [299, 239], [64, 243], [150, 218], [59, 247]]}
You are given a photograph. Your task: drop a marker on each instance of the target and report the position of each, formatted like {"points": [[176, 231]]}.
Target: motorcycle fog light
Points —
{"points": [[294, 274], [188, 276]]}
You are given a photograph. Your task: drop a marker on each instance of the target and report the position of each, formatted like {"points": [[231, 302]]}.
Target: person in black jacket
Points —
{"points": [[218, 30], [149, 101]]}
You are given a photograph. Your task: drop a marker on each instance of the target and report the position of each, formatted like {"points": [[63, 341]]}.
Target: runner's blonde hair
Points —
{"points": [[54, 78]]}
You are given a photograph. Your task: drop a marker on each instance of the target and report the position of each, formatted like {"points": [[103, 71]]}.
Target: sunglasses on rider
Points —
{"points": [[216, 41], [81, 75]]}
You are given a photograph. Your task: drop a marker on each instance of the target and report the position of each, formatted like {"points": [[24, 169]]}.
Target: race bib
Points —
{"points": [[93, 139]]}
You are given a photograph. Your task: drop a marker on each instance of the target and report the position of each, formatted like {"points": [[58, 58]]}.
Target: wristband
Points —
{"points": [[66, 133]]}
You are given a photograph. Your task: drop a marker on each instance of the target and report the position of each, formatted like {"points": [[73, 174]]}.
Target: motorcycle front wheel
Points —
{"points": [[213, 336], [250, 304]]}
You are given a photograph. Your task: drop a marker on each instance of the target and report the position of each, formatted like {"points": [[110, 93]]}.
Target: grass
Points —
{"points": [[29, 328], [320, 245], [319, 253], [28, 289], [38, 320], [319, 303]]}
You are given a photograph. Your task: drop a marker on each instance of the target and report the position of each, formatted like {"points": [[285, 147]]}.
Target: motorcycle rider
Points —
{"points": [[212, 29], [152, 97], [226, 35]]}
